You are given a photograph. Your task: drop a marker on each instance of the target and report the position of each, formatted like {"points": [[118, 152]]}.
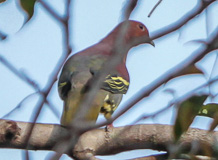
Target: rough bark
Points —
{"points": [[99, 142]]}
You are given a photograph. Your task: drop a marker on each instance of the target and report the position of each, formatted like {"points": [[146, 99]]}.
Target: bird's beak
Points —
{"points": [[149, 41], [152, 43]]}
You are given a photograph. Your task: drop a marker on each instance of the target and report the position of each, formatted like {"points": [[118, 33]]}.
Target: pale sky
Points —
{"points": [[37, 47]]}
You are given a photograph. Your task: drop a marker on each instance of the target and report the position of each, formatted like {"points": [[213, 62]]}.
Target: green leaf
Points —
{"points": [[192, 69], [208, 110], [28, 7], [186, 113]]}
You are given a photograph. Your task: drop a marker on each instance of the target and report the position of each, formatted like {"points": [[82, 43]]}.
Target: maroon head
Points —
{"points": [[134, 33]]}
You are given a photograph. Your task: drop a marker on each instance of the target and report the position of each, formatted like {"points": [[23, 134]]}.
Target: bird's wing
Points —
{"points": [[115, 84]]}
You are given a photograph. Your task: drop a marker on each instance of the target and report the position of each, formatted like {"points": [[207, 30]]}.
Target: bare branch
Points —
{"points": [[26, 155], [149, 15], [211, 74], [2, 35], [52, 79], [21, 75], [128, 8], [99, 142], [19, 105], [51, 11], [182, 21], [177, 101]]}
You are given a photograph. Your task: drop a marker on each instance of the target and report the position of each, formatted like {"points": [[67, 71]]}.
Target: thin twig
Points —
{"points": [[51, 11], [183, 20], [2, 35], [207, 21], [25, 155], [177, 100], [19, 105], [52, 79], [212, 71], [50, 105], [149, 15], [53, 108], [22, 75], [207, 24]]}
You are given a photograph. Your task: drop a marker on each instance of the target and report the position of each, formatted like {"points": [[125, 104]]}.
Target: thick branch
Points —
{"points": [[99, 142]]}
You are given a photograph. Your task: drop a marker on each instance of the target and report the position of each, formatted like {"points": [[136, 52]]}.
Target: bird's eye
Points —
{"points": [[141, 27]]}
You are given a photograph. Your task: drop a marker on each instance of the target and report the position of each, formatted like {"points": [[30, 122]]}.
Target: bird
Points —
{"points": [[82, 67]]}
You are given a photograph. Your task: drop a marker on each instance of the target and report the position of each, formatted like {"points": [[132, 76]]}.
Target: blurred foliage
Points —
{"points": [[208, 110], [2, 1], [28, 7], [192, 69], [186, 113]]}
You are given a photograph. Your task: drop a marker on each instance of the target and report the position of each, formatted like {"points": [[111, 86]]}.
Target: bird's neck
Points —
{"points": [[116, 45]]}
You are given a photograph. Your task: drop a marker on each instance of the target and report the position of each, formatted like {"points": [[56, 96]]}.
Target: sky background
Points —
{"points": [[36, 49]]}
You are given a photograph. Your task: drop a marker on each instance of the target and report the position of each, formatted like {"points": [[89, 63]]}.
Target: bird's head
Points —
{"points": [[134, 33]]}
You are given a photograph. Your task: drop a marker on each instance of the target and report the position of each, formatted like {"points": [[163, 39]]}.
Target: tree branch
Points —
{"points": [[149, 15], [2, 35], [99, 142], [53, 77], [183, 20], [51, 11], [19, 74], [128, 8], [152, 157]]}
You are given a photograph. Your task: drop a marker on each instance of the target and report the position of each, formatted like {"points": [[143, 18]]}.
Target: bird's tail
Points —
{"points": [[71, 108]]}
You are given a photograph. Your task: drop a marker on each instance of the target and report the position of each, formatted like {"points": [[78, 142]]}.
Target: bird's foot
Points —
{"points": [[109, 127]]}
